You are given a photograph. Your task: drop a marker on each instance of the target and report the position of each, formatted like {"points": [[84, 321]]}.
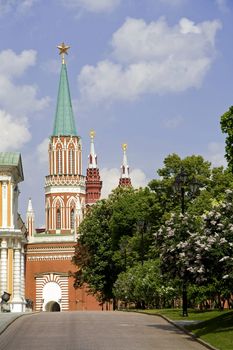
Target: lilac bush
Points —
{"points": [[199, 250]]}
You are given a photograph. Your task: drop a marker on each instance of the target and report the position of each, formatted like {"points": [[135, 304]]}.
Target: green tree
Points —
{"points": [[110, 241], [217, 251], [142, 285], [220, 180], [226, 123], [117, 233], [131, 207], [93, 252], [212, 185], [195, 167], [199, 251], [177, 250]]}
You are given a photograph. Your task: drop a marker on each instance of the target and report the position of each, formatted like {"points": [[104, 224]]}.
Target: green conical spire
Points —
{"points": [[64, 124]]}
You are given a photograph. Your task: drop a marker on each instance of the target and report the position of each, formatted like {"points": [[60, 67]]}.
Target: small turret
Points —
{"points": [[92, 164], [93, 182], [125, 178]]}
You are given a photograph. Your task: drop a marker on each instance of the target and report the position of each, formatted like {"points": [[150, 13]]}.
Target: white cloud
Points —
{"points": [[14, 134], [110, 178], [138, 178], [151, 58], [13, 65], [215, 154], [18, 100], [18, 6], [42, 151], [92, 5]]}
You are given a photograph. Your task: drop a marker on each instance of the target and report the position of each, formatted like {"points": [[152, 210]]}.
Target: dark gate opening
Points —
{"points": [[52, 306]]}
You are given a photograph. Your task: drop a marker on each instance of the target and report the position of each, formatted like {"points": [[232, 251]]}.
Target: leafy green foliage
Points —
{"points": [[200, 250], [93, 254], [226, 123], [117, 246], [142, 284], [197, 170], [109, 239], [218, 255], [176, 240]]}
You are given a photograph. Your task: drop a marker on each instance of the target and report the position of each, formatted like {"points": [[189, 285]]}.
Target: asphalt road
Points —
{"points": [[94, 331]]}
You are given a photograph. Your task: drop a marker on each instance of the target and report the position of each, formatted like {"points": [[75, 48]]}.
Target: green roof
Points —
{"points": [[9, 158], [12, 159], [64, 124]]}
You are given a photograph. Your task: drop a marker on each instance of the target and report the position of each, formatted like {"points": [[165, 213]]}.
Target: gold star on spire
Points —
{"points": [[124, 146], [92, 134], [63, 50]]}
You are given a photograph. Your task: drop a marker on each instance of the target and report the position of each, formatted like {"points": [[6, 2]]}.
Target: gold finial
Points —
{"points": [[92, 134], [63, 50], [124, 146]]}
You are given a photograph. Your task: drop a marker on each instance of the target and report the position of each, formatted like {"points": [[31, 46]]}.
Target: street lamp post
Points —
{"points": [[181, 181]]}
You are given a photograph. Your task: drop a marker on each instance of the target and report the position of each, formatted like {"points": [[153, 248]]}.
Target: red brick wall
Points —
{"points": [[78, 298]]}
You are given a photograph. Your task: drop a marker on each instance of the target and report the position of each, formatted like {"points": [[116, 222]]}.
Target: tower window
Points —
{"points": [[72, 219], [58, 221], [48, 218], [59, 162], [71, 160]]}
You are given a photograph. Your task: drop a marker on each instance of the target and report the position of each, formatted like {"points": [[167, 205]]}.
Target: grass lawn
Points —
{"points": [[176, 314], [216, 327], [217, 331]]}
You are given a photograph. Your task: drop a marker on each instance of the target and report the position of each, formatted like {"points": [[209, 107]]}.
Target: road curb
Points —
{"points": [[207, 345], [14, 319]]}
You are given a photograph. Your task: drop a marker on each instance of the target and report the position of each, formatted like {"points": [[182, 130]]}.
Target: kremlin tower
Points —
{"points": [[65, 184], [49, 252], [93, 183], [125, 180]]}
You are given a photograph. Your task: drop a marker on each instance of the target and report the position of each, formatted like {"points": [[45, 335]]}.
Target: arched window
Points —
{"points": [[59, 161], [72, 219], [58, 219], [71, 161], [48, 219]]}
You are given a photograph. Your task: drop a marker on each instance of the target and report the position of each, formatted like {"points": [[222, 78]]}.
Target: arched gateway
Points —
{"points": [[52, 306], [51, 297]]}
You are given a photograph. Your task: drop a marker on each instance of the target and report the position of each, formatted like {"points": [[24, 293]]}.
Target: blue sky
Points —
{"points": [[155, 74]]}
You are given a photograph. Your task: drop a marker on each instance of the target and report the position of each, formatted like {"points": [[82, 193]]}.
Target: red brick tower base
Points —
{"points": [[49, 281]]}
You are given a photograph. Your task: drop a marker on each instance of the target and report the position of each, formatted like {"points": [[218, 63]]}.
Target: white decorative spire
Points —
{"points": [[30, 218], [30, 208], [125, 166], [92, 157]]}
